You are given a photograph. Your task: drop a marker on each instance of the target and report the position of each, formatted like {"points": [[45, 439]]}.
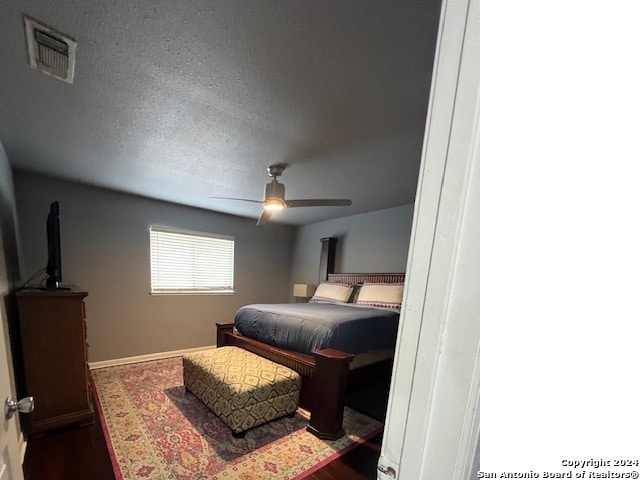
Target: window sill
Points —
{"points": [[193, 292]]}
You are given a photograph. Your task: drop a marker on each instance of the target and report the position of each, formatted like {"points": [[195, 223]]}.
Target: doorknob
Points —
{"points": [[26, 405]]}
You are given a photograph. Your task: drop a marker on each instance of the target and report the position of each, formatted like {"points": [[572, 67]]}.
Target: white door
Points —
{"points": [[10, 464], [432, 424]]}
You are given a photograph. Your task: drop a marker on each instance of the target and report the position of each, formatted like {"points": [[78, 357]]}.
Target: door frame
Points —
{"points": [[432, 425]]}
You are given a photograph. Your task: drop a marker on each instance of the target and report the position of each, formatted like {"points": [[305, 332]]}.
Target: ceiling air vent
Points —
{"points": [[50, 51]]}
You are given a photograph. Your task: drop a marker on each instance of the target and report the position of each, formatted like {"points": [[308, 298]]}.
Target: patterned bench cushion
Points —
{"points": [[243, 389]]}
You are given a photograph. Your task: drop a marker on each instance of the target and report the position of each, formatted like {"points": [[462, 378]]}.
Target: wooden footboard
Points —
{"points": [[325, 376]]}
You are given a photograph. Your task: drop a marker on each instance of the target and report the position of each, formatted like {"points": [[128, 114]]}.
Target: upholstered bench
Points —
{"points": [[243, 389]]}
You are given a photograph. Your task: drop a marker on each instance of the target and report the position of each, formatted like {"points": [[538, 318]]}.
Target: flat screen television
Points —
{"points": [[54, 259]]}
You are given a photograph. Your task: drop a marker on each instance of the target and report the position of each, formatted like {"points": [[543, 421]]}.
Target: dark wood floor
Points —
{"points": [[81, 453], [74, 453]]}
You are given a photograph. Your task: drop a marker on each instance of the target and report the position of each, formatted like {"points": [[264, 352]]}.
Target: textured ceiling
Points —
{"points": [[183, 100]]}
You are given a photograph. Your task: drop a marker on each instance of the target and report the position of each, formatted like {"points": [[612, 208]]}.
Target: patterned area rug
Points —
{"points": [[157, 431]]}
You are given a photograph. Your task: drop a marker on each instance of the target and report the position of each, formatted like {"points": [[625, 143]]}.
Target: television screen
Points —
{"points": [[54, 260]]}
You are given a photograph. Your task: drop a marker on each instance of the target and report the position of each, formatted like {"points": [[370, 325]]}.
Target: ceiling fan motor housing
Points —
{"points": [[274, 189]]}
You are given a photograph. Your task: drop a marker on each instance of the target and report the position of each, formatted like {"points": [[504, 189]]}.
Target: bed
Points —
{"points": [[334, 363], [307, 327]]}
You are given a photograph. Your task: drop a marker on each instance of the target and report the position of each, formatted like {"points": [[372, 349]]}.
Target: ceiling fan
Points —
{"points": [[274, 200]]}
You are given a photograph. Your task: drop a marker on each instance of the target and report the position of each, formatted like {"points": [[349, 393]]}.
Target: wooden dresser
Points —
{"points": [[54, 349]]}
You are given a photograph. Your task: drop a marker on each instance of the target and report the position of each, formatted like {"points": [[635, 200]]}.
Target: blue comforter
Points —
{"points": [[305, 327]]}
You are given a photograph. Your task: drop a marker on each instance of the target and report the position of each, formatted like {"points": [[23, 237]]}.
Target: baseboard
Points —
{"points": [[144, 358]]}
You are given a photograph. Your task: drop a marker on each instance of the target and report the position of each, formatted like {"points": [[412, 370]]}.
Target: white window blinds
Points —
{"points": [[190, 262]]}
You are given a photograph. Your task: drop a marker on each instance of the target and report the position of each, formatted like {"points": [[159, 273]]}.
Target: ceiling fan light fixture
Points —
{"points": [[274, 197], [273, 204]]}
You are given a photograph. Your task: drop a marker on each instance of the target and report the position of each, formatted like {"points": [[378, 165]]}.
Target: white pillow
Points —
{"points": [[332, 293], [383, 295]]}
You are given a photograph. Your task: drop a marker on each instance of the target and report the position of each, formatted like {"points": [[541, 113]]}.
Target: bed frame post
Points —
{"points": [[327, 258], [221, 333], [330, 379]]}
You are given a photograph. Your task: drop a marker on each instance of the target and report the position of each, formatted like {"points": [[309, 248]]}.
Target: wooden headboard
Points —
{"points": [[353, 278]]}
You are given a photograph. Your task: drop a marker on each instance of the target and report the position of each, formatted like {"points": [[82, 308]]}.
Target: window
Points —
{"points": [[190, 262]]}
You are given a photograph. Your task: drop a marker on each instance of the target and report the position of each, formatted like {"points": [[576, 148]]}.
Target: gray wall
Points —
{"points": [[9, 265], [369, 242], [105, 250], [8, 220]]}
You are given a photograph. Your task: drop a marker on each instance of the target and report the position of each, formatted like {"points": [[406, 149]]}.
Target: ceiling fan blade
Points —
{"points": [[233, 198], [264, 217], [318, 203]]}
